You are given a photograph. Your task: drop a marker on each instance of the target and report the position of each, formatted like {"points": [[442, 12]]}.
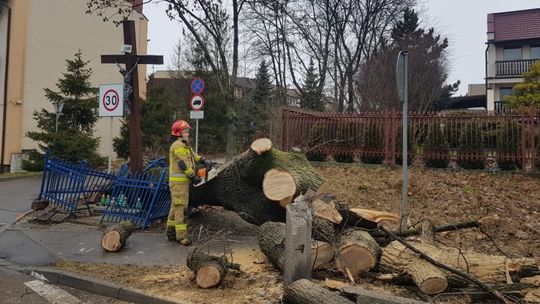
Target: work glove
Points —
{"points": [[195, 179], [208, 164]]}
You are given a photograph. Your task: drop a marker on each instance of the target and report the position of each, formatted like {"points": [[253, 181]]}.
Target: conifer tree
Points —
{"points": [[311, 98], [527, 93], [74, 140]]}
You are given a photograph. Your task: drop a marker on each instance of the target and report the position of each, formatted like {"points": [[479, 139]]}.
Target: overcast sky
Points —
{"points": [[462, 21]]}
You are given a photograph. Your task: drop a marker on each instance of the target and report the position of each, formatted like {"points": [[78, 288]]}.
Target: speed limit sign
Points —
{"points": [[111, 100]]}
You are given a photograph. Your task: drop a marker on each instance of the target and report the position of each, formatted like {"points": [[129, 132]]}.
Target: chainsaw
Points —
{"points": [[205, 175]]}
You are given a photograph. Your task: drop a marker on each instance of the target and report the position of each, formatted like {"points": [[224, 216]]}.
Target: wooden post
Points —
{"points": [[131, 79]]}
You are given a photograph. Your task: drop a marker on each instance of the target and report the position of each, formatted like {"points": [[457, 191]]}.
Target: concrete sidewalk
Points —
{"points": [[39, 247]]}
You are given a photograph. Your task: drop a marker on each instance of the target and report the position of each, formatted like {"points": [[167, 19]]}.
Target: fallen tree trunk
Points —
{"points": [[415, 231], [238, 185], [209, 270], [490, 269], [272, 243], [114, 237], [358, 252], [306, 292]]}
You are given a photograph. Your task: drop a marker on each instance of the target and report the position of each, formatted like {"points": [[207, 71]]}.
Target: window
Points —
{"points": [[535, 52], [512, 53], [507, 91]]}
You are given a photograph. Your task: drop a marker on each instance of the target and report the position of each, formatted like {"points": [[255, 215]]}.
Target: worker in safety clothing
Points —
{"points": [[182, 160]]}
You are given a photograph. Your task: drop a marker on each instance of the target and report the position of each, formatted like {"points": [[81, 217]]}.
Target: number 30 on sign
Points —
{"points": [[111, 100]]}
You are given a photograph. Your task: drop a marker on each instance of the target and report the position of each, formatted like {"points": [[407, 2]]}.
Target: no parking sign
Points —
{"points": [[111, 100]]}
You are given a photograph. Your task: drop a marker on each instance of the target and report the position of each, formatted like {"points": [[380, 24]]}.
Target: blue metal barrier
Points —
{"points": [[69, 185], [142, 198]]}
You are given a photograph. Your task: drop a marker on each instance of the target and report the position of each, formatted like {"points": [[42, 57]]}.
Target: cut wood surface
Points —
{"points": [[238, 185], [278, 185], [350, 218], [114, 237], [374, 215], [261, 145], [358, 252], [324, 207], [490, 269], [209, 270], [306, 292], [272, 243]]}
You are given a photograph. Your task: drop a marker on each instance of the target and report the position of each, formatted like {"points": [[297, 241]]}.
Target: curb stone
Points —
{"points": [[90, 284]]}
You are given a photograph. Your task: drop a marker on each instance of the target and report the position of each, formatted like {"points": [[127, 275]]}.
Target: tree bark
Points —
{"points": [[209, 270], [238, 185], [272, 244], [490, 269], [358, 252], [305, 292], [114, 237]]}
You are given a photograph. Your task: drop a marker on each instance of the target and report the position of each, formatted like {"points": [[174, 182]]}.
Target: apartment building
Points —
{"points": [[513, 43], [36, 37]]}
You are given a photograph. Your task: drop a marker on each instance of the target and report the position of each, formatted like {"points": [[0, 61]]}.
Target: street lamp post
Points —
{"points": [[58, 106]]}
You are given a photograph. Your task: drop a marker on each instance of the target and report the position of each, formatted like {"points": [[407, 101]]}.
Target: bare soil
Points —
{"points": [[512, 201]]}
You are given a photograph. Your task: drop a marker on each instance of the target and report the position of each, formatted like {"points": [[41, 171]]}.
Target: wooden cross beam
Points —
{"points": [[132, 60]]}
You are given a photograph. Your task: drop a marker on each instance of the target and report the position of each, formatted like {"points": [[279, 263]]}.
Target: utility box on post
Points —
{"points": [[297, 264]]}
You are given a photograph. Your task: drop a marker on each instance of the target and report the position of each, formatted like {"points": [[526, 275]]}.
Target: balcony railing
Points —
{"points": [[499, 107], [513, 67]]}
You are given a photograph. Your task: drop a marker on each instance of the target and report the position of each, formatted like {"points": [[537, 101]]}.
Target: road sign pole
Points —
{"points": [[402, 83], [197, 136], [110, 142]]}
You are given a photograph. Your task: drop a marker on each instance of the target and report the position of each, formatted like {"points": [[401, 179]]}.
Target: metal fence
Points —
{"points": [[72, 185], [143, 198], [466, 139], [140, 197]]}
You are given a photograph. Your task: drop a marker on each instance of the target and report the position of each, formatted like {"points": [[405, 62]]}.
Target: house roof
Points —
{"points": [[515, 25]]}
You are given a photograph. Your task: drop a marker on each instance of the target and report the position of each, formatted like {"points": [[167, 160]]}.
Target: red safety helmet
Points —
{"points": [[178, 127]]}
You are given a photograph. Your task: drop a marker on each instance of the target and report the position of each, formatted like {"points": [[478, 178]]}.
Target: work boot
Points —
{"points": [[184, 241], [171, 234]]}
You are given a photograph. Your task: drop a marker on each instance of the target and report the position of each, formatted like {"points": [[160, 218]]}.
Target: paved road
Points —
{"points": [[16, 197], [18, 288]]}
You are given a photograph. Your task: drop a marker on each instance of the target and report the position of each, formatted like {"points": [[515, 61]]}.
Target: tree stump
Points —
{"points": [[238, 185], [209, 270], [114, 237]]}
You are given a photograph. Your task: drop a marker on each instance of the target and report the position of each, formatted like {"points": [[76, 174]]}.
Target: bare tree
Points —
{"points": [[202, 19]]}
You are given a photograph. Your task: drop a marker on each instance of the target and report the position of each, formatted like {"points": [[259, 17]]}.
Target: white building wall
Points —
{"points": [[54, 37]]}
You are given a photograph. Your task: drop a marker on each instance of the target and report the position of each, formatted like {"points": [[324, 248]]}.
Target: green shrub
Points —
{"points": [[508, 141]]}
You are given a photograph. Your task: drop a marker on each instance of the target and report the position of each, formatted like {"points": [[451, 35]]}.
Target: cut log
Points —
{"points": [[429, 279], [324, 207], [272, 243], [238, 185], [278, 185], [416, 231], [358, 252], [114, 237], [306, 292], [490, 269], [323, 230], [209, 270], [322, 254]]}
